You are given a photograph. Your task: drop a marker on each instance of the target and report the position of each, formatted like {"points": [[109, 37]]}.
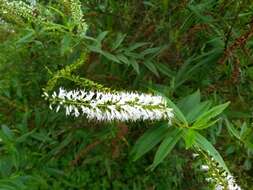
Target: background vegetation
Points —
{"points": [[178, 48]]}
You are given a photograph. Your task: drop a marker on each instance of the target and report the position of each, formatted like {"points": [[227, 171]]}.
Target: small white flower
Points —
{"points": [[45, 95], [67, 110], [194, 155], [204, 167], [58, 107], [232, 184], [76, 112], [219, 187]]}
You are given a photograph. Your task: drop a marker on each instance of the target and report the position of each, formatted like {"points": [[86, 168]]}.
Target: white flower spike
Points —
{"points": [[106, 106]]}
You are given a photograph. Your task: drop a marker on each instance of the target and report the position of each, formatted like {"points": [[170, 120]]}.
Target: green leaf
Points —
{"points": [[123, 58], [150, 51], [135, 65], [133, 55], [119, 39], [206, 146], [166, 146], [95, 48], [207, 116], [244, 131], [110, 56], [199, 9], [27, 38], [165, 70], [137, 45], [101, 36], [208, 124], [61, 145], [24, 137], [232, 130], [6, 133], [147, 141], [189, 138], [197, 110], [189, 102], [193, 63], [7, 186], [151, 67]]}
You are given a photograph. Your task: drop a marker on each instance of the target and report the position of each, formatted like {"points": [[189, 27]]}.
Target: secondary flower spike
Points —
{"points": [[221, 179], [105, 106]]}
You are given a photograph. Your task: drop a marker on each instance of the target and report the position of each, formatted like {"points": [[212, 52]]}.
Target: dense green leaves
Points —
{"points": [[192, 106]]}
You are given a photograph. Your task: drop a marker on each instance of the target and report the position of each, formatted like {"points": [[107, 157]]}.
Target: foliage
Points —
{"points": [[173, 48]]}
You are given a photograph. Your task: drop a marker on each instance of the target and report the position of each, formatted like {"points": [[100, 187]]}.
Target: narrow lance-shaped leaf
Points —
{"points": [[120, 38], [166, 146], [197, 110], [151, 66], [208, 124], [189, 137], [110, 56], [135, 65], [232, 130], [146, 142], [207, 116], [189, 102]]}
